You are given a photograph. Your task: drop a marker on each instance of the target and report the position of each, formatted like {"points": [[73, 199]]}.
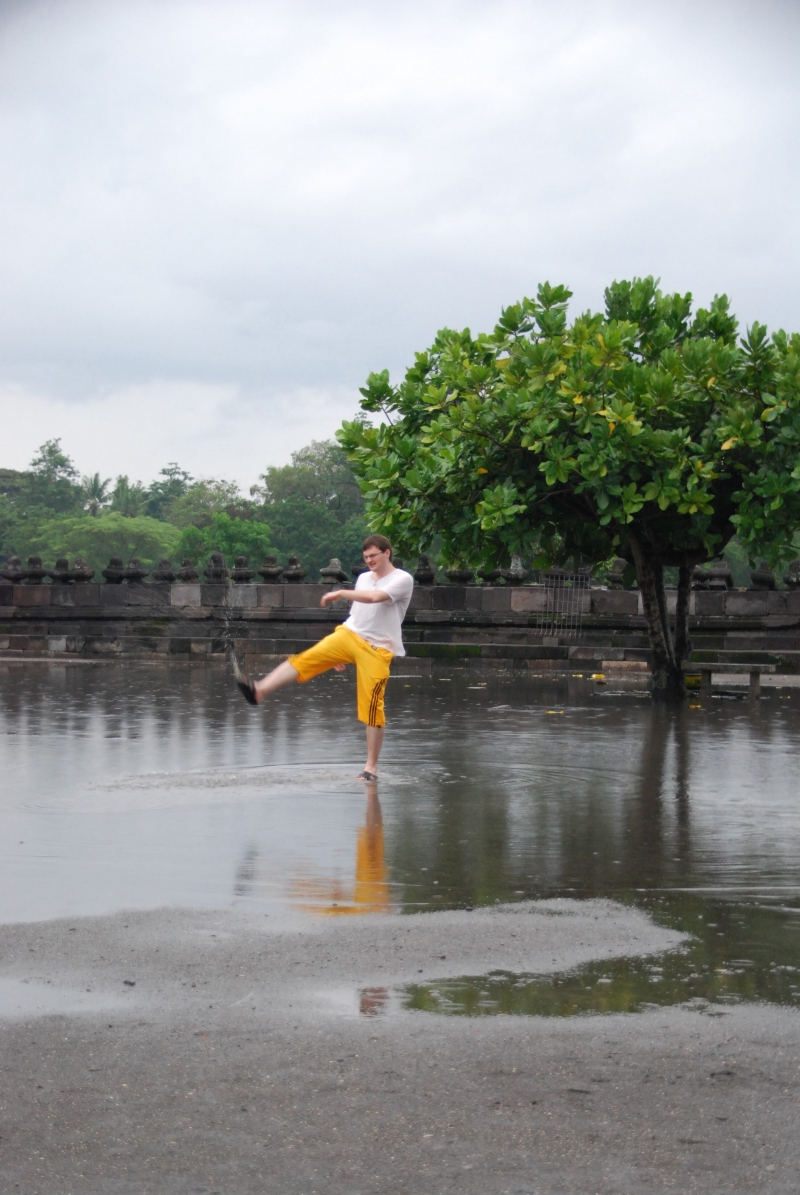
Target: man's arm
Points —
{"points": [[355, 595]]}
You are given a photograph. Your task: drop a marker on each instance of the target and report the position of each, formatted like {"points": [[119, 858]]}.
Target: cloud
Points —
{"points": [[252, 205], [139, 428]]}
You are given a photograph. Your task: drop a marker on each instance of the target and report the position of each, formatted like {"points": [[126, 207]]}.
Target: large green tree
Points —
{"points": [[314, 506], [646, 431], [98, 538]]}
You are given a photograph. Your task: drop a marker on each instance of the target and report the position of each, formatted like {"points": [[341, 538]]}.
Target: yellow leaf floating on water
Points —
{"points": [[554, 711]]}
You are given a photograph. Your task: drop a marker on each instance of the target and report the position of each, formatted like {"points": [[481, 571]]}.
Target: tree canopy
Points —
{"points": [[311, 508], [646, 431]]}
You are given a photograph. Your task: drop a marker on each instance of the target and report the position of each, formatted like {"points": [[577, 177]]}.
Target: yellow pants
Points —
{"points": [[372, 669]]}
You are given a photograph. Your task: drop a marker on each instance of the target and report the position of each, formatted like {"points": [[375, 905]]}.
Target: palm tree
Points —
{"points": [[128, 498], [95, 493]]}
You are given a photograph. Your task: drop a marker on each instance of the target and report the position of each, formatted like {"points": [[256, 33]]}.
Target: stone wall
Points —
{"points": [[496, 625]]}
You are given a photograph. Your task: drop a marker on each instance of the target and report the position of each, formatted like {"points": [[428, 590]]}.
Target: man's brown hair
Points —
{"points": [[377, 541]]}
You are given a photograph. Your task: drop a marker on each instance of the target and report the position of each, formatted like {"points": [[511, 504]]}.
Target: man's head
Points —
{"points": [[377, 550]]}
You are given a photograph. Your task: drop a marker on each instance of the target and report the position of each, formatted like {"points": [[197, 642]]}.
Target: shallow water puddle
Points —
{"points": [[621, 985], [742, 951]]}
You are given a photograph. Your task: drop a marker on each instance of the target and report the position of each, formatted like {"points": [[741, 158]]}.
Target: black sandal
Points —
{"points": [[243, 683], [370, 776], [247, 691]]}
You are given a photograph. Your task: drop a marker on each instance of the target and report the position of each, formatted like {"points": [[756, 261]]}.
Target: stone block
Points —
{"points": [[432, 616], [57, 643], [214, 594], [496, 600], [421, 598], [792, 601], [112, 595], [184, 595], [102, 646], [200, 647], [64, 595], [241, 597], [623, 602], [145, 595], [31, 595], [776, 601], [197, 611], [83, 596], [529, 600], [472, 597], [270, 595], [711, 604], [303, 596], [448, 597], [751, 604]]}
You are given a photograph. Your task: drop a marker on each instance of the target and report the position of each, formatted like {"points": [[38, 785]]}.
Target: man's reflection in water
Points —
{"points": [[373, 1001], [371, 887]]}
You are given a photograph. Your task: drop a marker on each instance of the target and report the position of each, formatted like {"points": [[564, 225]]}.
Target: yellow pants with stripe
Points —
{"points": [[372, 669]]}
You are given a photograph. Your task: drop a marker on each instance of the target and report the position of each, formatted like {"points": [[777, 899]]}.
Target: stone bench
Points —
{"points": [[754, 671]]}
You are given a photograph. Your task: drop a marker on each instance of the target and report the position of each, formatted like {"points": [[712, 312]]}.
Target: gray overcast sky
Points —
{"points": [[219, 217]]}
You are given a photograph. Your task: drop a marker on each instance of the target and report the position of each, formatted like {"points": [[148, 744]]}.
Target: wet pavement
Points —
{"points": [[179, 868]]}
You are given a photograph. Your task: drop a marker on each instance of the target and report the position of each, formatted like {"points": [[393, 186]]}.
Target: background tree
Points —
{"points": [[314, 506], [95, 493], [128, 498], [643, 432], [204, 498], [231, 536], [173, 484], [98, 539], [52, 480], [311, 508]]}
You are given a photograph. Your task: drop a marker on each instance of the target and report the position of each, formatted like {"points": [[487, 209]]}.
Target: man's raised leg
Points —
{"points": [[284, 674]]}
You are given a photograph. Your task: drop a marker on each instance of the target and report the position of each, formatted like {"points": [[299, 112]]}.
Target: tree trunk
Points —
{"points": [[667, 676], [683, 645]]}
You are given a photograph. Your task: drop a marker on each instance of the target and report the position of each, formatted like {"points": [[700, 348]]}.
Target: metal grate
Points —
{"points": [[565, 600]]}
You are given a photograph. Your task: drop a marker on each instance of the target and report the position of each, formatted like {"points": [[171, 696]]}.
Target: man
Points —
{"points": [[370, 638]]}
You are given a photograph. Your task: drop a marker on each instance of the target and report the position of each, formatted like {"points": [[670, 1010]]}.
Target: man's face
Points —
{"points": [[374, 557]]}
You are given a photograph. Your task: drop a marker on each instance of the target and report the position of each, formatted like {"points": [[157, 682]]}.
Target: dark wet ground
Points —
{"points": [[138, 787], [191, 1003]]}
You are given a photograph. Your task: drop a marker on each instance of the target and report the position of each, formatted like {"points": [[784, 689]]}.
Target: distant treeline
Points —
{"points": [[311, 508]]}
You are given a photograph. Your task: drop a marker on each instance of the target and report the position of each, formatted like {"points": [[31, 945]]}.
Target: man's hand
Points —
{"points": [[332, 596], [339, 667]]}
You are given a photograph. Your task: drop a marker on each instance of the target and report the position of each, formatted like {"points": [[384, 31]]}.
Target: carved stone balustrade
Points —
{"points": [[241, 574], [114, 572], [333, 573], [270, 570], [35, 573], [216, 570], [294, 573], [187, 573], [135, 573]]}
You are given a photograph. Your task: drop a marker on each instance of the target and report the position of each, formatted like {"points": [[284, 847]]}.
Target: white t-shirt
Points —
{"points": [[380, 623]]}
